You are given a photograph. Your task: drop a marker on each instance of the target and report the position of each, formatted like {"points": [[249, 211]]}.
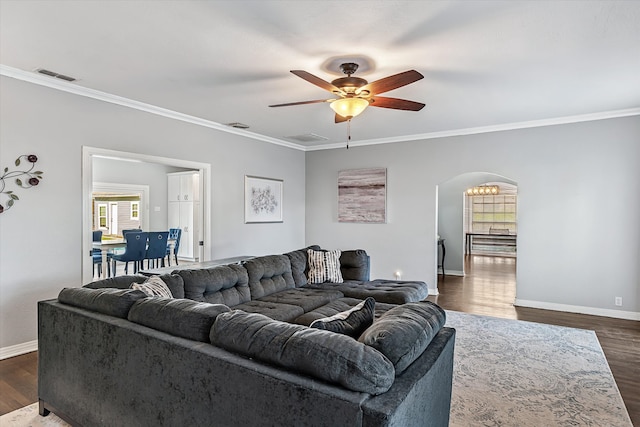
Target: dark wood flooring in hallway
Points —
{"points": [[487, 289]]}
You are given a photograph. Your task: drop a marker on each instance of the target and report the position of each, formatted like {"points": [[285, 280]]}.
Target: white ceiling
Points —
{"points": [[486, 63]]}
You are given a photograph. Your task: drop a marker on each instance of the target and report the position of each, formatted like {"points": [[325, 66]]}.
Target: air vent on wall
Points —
{"points": [[56, 75], [307, 138], [238, 125]]}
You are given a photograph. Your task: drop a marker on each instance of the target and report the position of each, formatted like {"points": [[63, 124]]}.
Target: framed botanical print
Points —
{"points": [[262, 199]]}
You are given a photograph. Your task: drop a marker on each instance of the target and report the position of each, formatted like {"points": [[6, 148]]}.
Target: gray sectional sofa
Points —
{"points": [[233, 347]]}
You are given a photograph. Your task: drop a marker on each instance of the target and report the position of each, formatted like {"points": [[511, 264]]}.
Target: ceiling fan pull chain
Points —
{"points": [[348, 132]]}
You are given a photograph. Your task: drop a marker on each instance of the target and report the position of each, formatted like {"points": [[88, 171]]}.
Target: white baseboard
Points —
{"points": [[18, 349], [594, 311]]}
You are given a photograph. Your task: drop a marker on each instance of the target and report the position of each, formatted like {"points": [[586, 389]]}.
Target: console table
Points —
{"points": [[444, 252]]}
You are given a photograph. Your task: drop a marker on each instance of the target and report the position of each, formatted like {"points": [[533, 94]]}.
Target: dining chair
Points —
{"points": [[135, 251], [157, 248], [97, 253], [174, 234]]}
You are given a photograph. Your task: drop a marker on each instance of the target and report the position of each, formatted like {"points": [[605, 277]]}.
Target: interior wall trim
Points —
{"points": [[18, 349], [42, 80], [605, 312], [487, 129], [74, 88]]}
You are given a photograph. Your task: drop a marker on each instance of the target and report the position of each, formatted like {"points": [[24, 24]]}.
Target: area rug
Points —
{"points": [[516, 373], [506, 373], [29, 417]]}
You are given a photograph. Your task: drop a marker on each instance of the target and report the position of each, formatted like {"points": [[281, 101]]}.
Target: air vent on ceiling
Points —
{"points": [[307, 138], [238, 125], [56, 75]]}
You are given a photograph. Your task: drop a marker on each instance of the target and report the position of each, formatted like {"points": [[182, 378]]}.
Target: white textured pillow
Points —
{"points": [[154, 286], [324, 266]]}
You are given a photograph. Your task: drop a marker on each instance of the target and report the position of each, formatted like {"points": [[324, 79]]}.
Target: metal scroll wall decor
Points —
{"points": [[23, 178]]}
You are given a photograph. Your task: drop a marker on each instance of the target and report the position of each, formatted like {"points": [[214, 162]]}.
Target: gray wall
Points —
{"points": [[41, 236], [578, 207]]}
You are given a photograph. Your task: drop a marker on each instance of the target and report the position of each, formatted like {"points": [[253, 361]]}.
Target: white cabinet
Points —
{"points": [[183, 211], [184, 187]]}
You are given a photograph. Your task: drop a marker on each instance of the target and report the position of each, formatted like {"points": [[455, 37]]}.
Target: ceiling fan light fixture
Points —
{"points": [[349, 107]]}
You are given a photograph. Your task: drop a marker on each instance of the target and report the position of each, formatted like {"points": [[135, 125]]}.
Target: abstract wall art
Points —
{"points": [[362, 195]]}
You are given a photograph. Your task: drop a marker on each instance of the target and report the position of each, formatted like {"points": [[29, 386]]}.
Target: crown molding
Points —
{"points": [[74, 88], [487, 129]]}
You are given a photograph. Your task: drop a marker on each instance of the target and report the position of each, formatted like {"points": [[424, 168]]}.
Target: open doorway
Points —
{"points": [[136, 161], [458, 223], [116, 207]]}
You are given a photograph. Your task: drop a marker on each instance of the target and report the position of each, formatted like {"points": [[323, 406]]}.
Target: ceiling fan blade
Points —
{"points": [[340, 119], [392, 82], [396, 104], [301, 103], [317, 81]]}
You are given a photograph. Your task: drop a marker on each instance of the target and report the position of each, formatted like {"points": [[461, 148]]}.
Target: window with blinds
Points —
{"points": [[492, 213]]}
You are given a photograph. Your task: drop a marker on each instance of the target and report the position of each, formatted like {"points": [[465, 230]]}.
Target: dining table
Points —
{"points": [[106, 245]]}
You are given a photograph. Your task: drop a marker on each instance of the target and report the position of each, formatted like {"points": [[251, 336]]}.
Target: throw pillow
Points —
{"points": [[154, 286], [351, 322], [324, 266]]}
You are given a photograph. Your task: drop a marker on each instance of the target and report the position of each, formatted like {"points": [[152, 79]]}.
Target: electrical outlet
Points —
{"points": [[398, 275], [619, 301]]}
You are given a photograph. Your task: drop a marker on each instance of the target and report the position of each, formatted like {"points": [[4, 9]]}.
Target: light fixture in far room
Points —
{"points": [[349, 107], [483, 190]]}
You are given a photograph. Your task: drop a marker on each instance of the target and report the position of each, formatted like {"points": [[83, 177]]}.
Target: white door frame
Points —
{"points": [[88, 153]]}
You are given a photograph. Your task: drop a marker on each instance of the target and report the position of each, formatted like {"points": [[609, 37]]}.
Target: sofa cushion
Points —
{"points": [[269, 274], [351, 322], [110, 301], [180, 317], [307, 299], [225, 284], [331, 357], [324, 266], [388, 291], [173, 281], [354, 265], [153, 287], [337, 306], [273, 310], [300, 264], [404, 332]]}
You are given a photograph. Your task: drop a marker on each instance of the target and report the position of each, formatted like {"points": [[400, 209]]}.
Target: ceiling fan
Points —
{"points": [[356, 93]]}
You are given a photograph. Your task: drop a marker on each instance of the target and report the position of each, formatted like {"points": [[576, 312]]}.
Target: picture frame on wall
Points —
{"points": [[362, 195], [262, 199]]}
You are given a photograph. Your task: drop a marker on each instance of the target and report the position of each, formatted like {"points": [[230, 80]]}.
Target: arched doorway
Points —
{"points": [[457, 218]]}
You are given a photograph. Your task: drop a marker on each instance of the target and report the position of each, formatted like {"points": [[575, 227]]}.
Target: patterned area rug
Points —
{"points": [[515, 373], [29, 417], [506, 373]]}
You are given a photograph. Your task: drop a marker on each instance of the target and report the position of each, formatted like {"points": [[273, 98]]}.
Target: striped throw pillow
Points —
{"points": [[154, 286], [324, 266]]}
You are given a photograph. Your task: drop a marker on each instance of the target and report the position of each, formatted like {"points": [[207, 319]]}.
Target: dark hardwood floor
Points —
{"points": [[487, 289]]}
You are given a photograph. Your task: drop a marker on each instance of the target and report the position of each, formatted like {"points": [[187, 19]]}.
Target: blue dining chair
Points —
{"points": [[97, 253], [174, 233], [135, 251], [157, 248]]}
